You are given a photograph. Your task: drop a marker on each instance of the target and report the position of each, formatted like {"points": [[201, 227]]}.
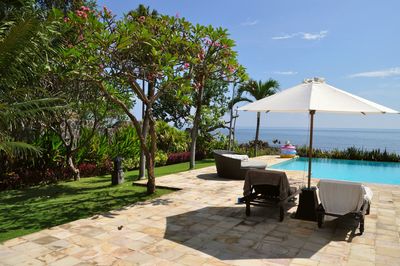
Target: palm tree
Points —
{"points": [[257, 90], [24, 50]]}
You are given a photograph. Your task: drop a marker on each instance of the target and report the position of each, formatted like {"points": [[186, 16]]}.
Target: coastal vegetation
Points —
{"points": [[257, 90], [352, 153], [78, 71]]}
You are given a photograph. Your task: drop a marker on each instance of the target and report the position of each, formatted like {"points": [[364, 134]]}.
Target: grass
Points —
{"points": [[25, 211]]}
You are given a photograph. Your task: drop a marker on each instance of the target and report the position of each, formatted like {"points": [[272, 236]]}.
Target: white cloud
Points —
{"points": [[304, 35], [314, 36], [391, 72], [285, 72], [249, 22], [284, 37]]}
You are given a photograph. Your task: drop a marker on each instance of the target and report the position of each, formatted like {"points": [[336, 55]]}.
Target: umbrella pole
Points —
{"points": [[308, 201], [310, 147]]}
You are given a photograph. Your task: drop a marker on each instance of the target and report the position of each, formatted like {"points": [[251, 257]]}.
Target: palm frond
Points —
{"points": [[19, 149], [238, 100]]}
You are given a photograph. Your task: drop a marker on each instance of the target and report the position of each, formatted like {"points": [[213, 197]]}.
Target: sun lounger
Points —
{"points": [[268, 188], [339, 198], [235, 166]]}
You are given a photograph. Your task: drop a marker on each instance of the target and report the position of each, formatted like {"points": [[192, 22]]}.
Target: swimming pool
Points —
{"points": [[350, 170]]}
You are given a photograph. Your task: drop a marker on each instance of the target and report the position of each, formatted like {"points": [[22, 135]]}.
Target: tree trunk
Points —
{"points": [[145, 125], [231, 121], [257, 132], [71, 166], [151, 178], [151, 183], [195, 129], [142, 165], [234, 128]]}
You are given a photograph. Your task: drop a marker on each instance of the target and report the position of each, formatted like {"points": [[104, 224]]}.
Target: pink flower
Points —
{"points": [[66, 19], [186, 65], [142, 19], [84, 8], [101, 66], [208, 42], [81, 14]]}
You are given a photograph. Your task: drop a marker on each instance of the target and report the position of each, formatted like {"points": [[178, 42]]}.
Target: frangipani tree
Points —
{"points": [[115, 55], [215, 60]]}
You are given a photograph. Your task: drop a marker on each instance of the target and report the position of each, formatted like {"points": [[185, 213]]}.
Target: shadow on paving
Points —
{"points": [[227, 234], [214, 177]]}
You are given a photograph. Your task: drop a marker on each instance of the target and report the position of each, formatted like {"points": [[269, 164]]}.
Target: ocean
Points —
{"points": [[327, 139]]}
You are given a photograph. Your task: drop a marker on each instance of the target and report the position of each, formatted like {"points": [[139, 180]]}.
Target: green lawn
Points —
{"points": [[29, 210]]}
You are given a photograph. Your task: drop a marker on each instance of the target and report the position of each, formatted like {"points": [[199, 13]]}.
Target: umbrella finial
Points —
{"points": [[314, 80]]}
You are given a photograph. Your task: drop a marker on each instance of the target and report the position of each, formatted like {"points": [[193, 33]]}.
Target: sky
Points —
{"points": [[353, 44]]}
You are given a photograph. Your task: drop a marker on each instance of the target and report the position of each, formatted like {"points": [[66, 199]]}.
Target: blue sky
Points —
{"points": [[354, 45]]}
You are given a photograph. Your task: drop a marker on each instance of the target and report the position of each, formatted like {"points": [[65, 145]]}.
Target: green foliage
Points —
{"points": [[351, 153], [257, 90], [26, 44], [122, 141], [207, 143], [263, 149], [161, 158], [52, 150], [171, 139]]}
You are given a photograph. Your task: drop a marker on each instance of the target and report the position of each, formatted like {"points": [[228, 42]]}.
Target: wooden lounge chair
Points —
{"points": [[339, 198], [268, 188], [231, 165]]}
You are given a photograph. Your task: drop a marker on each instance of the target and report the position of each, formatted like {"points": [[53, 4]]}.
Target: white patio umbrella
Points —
{"points": [[314, 95]]}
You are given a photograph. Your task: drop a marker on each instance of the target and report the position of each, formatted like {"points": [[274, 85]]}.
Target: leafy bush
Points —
{"points": [[31, 177], [263, 149], [206, 144], [351, 153], [130, 163], [161, 158], [171, 139]]}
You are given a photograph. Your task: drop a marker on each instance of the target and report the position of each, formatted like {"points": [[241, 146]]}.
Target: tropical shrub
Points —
{"points": [[171, 139], [161, 158], [351, 153], [263, 148]]}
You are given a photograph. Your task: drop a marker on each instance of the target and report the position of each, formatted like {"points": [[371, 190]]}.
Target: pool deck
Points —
{"points": [[201, 225]]}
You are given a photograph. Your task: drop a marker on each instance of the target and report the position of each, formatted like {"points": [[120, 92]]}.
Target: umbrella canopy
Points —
{"points": [[314, 95]]}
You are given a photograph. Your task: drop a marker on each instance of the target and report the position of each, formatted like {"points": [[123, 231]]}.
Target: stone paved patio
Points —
{"points": [[201, 225]]}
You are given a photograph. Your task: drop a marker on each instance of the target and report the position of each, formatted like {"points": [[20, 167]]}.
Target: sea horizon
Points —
{"points": [[325, 138]]}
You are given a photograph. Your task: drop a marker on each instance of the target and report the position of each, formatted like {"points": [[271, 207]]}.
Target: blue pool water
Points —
{"points": [[350, 170]]}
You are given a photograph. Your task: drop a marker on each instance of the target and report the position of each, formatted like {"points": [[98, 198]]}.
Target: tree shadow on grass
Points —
{"points": [[48, 191], [44, 207], [227, 234]]}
